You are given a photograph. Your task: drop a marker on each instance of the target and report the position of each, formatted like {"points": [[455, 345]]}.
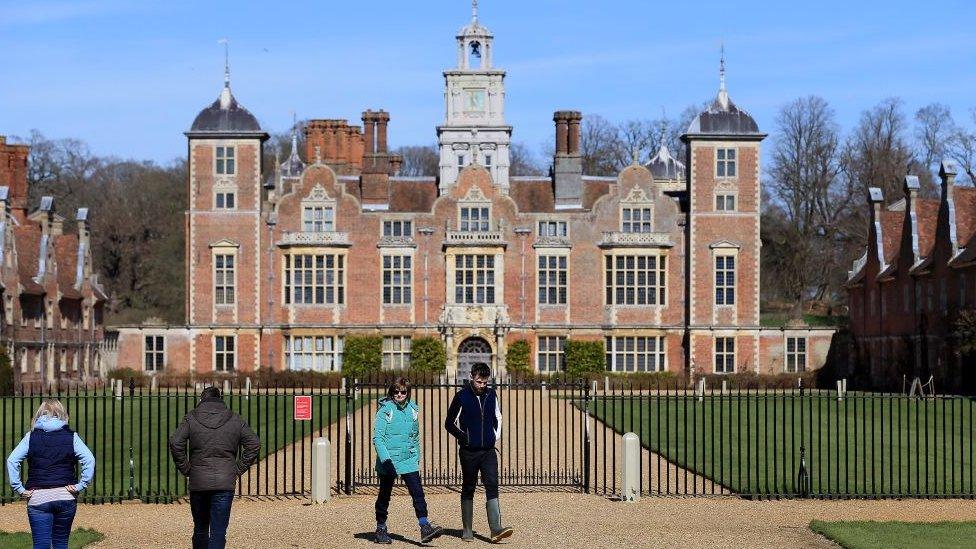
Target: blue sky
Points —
{"points": [[128, 77]]}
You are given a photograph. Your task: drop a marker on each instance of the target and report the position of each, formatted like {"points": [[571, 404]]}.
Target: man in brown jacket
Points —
{"points": [[222, 448]]}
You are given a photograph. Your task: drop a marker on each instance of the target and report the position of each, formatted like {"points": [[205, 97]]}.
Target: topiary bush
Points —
{"points": [[518, 359], [584, 357], [427, 355], [6, 374], [362, 356]]}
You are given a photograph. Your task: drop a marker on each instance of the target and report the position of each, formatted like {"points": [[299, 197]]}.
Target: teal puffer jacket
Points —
{"points": [[396, 436]]}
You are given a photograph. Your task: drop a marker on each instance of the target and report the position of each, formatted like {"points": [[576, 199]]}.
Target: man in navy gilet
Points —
{"points": [[475, 420]]}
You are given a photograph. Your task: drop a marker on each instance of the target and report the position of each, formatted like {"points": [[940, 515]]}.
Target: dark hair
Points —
{"points": [[480, 369], [210, 392], [397, 383]]}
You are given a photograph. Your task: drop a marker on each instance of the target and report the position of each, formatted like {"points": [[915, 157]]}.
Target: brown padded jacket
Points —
{"points": [[221, 446]]}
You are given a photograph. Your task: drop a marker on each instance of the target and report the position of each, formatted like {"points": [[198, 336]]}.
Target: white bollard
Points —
{"points": [[226, 387], [154, 384], [321, 471], [606, 384], [247, 388], [630, 475]]}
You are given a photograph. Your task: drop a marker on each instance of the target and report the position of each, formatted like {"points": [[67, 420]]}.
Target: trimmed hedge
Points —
{"points": [[518, 359], [427, 355], [584, 357], [6, 374], [362, 355]]}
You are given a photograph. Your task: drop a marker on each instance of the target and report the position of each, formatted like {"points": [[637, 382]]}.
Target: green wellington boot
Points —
{"points": [[467, 519], [498, 532]]}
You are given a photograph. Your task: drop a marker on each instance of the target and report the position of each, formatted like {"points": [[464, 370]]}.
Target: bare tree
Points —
{"points": [[877, 153], [934, 131], [522, 161], [808, 203], [419, 160], [962, 149], [599, 146]]}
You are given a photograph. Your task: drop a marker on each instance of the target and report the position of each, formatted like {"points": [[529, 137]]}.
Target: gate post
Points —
{"points": [[630, 473], [586, 438], [347, 465], [321, 470]]}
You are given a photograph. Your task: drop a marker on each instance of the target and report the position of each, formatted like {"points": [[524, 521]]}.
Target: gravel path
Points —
{"points": [[539, 519]]}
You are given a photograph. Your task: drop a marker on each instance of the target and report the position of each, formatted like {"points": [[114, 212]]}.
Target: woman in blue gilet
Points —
{"points": [[52, 451]]}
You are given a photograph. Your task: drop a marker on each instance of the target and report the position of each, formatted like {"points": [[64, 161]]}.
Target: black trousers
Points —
{"points": [[412, 480], [479, 461]]}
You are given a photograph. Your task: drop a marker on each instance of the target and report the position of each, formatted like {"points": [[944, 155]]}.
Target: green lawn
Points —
{"points": [[863, 445], [79, 538], [110, 426], [898, 535]]}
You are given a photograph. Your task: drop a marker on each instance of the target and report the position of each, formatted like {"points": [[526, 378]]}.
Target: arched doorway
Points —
{"points": [[471, 351]]}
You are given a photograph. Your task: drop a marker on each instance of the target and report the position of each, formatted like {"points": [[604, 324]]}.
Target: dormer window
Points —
{"points": [[475, 219], [725, 163], [553, 228], [318, 219], [225, 161], [398, 228], [635, 220]]}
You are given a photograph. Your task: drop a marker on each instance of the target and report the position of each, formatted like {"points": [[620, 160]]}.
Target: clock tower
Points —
{"points": [[474, 129]]}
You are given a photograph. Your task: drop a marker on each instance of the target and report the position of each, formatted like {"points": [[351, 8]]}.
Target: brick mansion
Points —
{"points": [[660, 262]]}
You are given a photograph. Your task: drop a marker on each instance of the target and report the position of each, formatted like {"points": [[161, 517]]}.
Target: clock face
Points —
{"points": [[474, 100]]}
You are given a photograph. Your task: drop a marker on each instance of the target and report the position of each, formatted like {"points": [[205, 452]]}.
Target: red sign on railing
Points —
{"points": [[303, 408]]}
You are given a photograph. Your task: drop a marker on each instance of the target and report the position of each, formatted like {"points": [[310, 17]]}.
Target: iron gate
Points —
{"points": [[544, 437]]}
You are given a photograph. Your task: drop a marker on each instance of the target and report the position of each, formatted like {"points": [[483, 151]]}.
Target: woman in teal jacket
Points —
{"points": [[396, 437]]}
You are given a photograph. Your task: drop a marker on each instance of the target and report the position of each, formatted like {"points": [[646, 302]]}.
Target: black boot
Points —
{"points": [[382, 536], [467, 519], [498, 532], [429, 531]]}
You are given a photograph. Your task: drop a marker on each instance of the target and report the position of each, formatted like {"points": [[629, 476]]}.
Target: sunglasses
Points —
{"points": [[400, 391]]}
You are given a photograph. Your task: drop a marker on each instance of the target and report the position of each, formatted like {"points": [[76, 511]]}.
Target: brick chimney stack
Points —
{"points": [[912, 188], [376, 159], [947, 173], [568, 163], [875, 203], [341, 145], [13, 175]]}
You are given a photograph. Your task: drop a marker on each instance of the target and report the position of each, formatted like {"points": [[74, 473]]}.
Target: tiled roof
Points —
{"points": [[533, 195], [891, 225], [27, 239], [965, 202], [413, 196], [66, 255], [927, 213]]}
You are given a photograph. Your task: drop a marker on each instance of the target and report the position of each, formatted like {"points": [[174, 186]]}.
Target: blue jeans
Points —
{"points": [[211, 515], [51, 523], [412, 480]]}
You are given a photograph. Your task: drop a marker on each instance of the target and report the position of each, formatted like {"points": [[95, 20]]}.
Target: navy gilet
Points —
{"points": [[51, 459], [478, 419]]}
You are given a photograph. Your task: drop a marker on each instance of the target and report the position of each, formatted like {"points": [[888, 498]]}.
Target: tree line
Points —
{"points": [[814, 217]]}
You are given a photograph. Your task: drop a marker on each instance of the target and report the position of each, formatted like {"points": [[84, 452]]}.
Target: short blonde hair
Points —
{"points": [[51, 407]]}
